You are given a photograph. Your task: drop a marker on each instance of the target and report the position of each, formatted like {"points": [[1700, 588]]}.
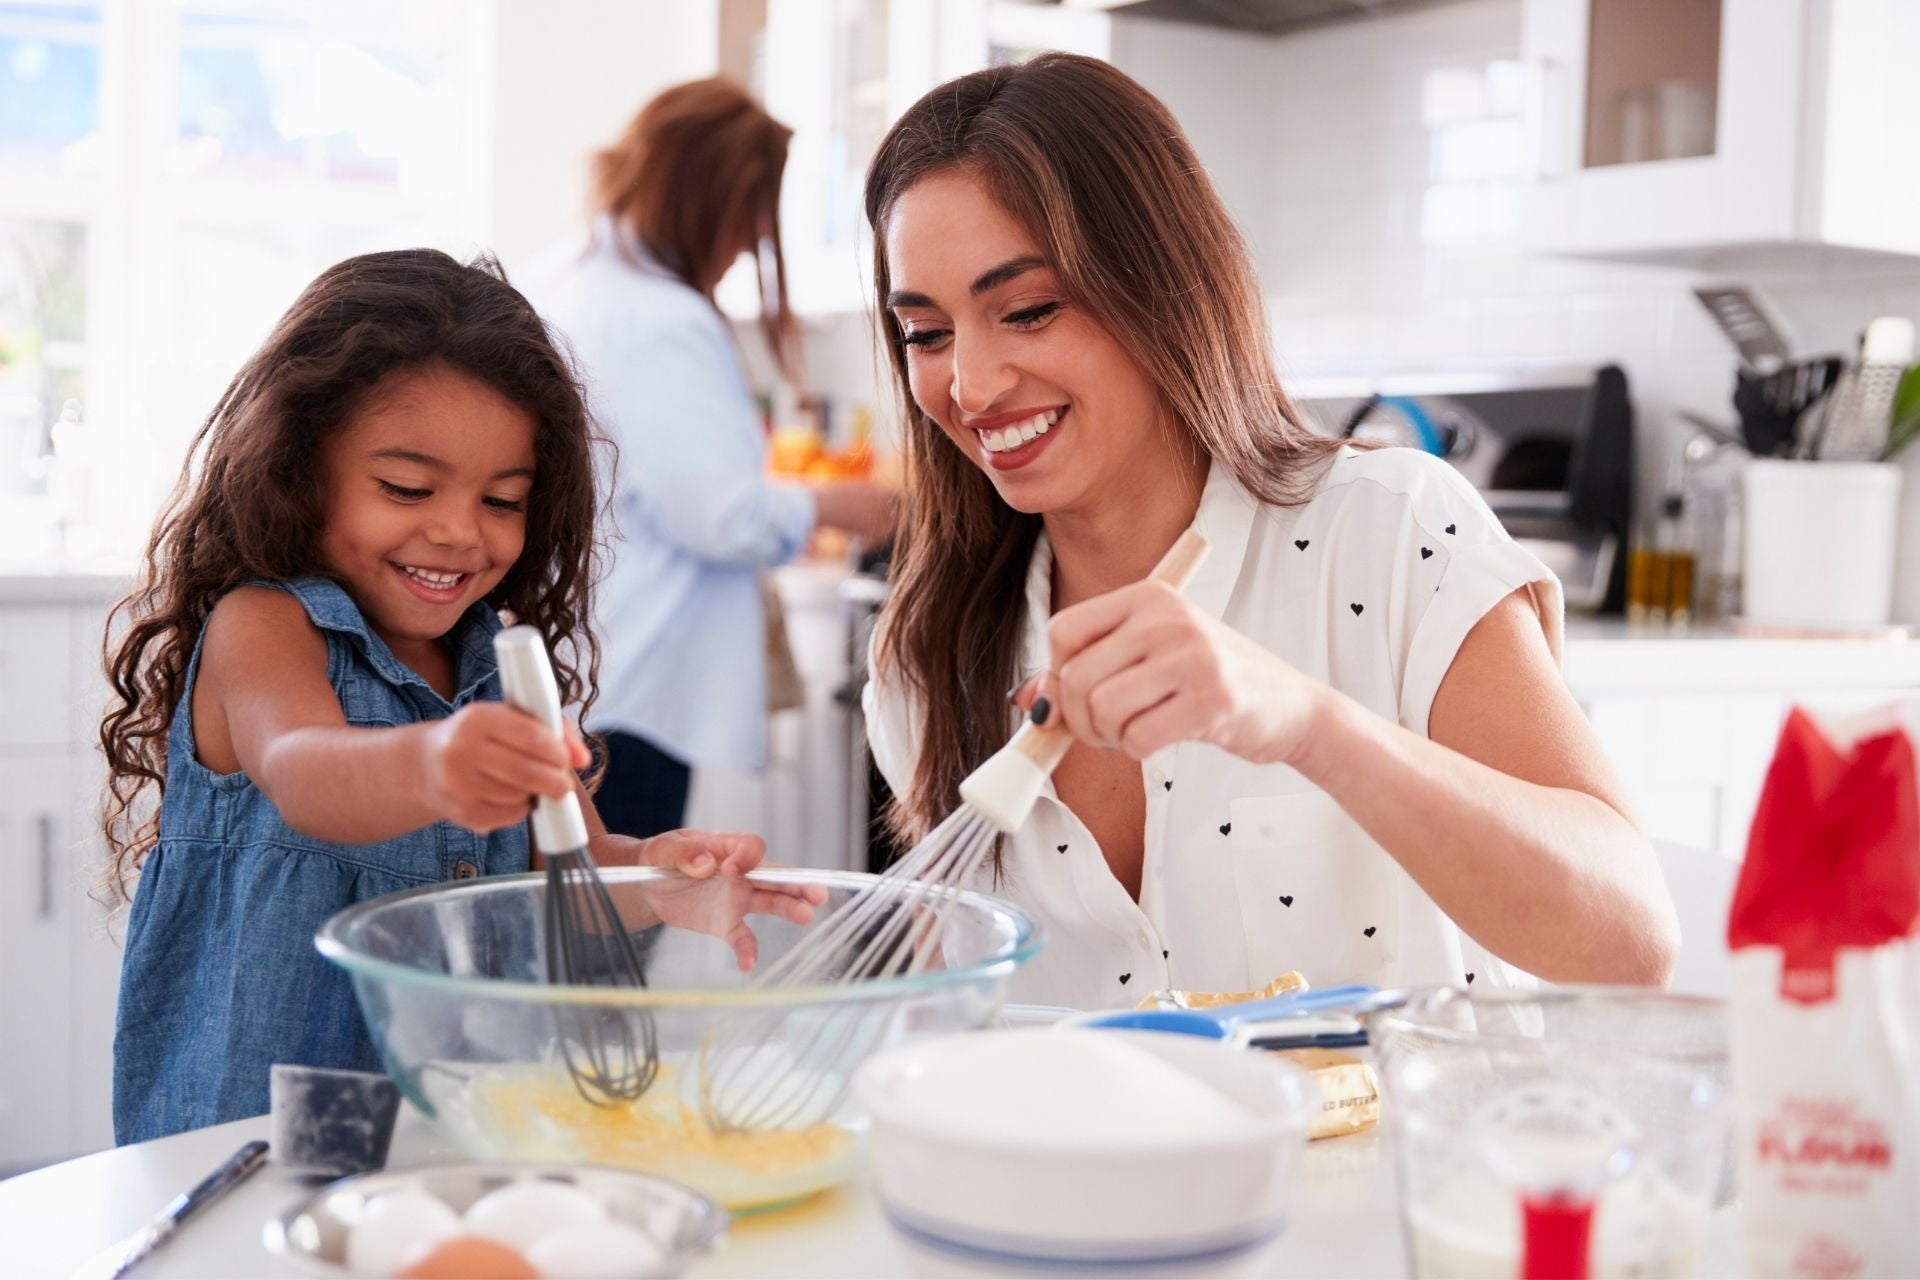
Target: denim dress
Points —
{"points": [[220, 978]]}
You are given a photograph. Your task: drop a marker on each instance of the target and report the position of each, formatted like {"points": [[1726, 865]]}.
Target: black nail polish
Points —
{"points": [[1042, 708]]}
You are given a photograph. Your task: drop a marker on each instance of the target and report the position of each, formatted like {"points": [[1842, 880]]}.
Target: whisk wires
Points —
{"points": [[891, 929], [612, 1053]]}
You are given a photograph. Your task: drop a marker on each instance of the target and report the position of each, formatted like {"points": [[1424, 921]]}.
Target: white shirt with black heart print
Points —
{"points": [[1250, 870]]}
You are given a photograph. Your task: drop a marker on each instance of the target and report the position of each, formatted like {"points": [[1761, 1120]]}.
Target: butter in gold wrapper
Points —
{"points": [[1291, 980], [1349, 1091]]}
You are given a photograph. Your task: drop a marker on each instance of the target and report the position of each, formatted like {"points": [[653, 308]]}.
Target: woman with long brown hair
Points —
{"points": [[691, 184], [1346, 749]]}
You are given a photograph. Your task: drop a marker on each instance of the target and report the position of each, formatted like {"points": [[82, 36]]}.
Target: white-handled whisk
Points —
{"points": [[612, 1052], [892, 929]]}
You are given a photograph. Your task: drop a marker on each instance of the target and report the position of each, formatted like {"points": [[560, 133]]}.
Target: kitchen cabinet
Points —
{"points": [[36, 961], [1723, 134], [1690, 720], [59, 971]]}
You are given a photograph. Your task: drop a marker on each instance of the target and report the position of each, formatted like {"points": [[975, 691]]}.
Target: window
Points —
{"points": [[177, 171]]}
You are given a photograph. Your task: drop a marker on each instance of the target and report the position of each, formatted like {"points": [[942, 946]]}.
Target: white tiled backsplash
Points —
{"points": [[1375, 168]]}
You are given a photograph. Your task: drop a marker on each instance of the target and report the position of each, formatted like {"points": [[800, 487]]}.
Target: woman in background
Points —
{"points": [[692, 183]]}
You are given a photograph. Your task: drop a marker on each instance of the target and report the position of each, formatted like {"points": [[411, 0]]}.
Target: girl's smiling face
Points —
{"points": [[1026, 384], [426, 502]]}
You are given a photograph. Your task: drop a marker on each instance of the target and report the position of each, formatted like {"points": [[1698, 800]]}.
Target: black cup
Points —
{"points": [[329, 1122]]}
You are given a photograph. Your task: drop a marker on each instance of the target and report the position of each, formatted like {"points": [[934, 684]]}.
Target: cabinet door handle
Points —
{"points": [[45, 824], [1550, 122]]}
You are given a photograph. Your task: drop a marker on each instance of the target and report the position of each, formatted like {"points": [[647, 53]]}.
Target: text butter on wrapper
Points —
{"points": [[1349, 1091], [1825, 1015]]}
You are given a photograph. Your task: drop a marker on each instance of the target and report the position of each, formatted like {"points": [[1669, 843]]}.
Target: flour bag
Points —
{"points": [[1826, 1003]]}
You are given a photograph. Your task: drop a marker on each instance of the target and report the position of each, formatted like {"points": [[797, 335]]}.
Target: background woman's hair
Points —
{"points": [[250, 503], [695, 175], [1100, 175]]}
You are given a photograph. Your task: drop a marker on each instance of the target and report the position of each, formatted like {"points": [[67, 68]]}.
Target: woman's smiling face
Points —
{"points": [[1025, 383]]}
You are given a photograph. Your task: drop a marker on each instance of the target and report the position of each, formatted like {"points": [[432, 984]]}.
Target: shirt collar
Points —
{"points": [[619, 239], [1224, 519], [471, 639]]}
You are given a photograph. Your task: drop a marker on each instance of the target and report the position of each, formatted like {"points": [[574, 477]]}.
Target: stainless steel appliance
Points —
{"points": [[1551, 451]]}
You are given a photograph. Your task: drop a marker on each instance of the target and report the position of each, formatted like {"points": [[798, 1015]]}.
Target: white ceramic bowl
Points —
{"points": [[310, 1237], [1121, 1199]]}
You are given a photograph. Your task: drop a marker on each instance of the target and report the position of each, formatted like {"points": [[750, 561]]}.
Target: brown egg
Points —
{"points": [[467, 1258]]}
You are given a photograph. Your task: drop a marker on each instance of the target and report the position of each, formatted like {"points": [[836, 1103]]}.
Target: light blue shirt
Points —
{"points": [[678, 615]]}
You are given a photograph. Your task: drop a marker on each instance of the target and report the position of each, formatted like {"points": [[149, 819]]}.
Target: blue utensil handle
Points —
{"points": [[210, 1188], [1281, 1005]]}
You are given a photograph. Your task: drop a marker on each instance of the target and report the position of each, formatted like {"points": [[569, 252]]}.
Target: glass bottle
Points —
{"points": [[1646, 577], [1674, 547]]}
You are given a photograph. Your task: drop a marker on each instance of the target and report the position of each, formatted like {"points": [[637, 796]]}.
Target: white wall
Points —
{"points": [[1220, 86], [569, 74]]}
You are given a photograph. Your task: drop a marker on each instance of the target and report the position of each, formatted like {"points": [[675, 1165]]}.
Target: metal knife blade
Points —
{"points": [[142, 1243]]}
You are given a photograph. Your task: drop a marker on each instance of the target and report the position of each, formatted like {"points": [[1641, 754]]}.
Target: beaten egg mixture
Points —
{"points": [[659, 1133]]}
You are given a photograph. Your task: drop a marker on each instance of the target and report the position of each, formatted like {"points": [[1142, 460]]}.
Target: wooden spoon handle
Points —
{"points": [[1046, 744]]}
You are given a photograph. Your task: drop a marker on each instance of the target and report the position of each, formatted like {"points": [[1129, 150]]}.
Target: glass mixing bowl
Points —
{"points": [[452, 981], [1688, 1030]]}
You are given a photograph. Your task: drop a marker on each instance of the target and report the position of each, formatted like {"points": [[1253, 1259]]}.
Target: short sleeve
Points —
{"points": [[1412, 544], [1484, 566]]}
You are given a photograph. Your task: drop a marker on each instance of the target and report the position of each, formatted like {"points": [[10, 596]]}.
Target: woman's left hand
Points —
{"points": [[711, 894], [1142, 668]]}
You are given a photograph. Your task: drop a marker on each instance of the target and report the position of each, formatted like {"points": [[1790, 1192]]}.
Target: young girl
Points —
{"points": [[307, 675], [1346, 749]]}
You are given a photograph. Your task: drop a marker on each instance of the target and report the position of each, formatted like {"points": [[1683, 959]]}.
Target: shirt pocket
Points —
{"points": [[368, 702], [1315, 893]]}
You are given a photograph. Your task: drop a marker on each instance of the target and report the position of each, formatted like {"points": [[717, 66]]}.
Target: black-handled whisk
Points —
{"points": [[612, 1050]]}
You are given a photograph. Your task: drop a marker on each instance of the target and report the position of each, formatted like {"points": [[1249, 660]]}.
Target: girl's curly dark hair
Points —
{"points": [[250, 500]]}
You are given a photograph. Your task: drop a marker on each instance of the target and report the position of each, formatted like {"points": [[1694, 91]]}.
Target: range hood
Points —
{"points": [[1260, 17]]}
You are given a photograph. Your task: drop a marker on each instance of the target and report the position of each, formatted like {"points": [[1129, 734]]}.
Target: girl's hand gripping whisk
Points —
{"points": [[611, 1049]]}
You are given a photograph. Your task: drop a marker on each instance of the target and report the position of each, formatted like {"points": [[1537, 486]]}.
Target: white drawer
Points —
{"points": [[36, 675]]}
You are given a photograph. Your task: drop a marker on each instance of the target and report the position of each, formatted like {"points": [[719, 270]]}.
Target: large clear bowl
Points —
{"points": [[1688, 1030], [452, 980]]}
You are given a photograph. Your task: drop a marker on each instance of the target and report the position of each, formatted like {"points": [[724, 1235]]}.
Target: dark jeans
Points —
{"points": [[644, 790]]}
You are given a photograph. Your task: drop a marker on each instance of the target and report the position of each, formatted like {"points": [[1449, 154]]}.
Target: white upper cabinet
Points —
{"points": [[1724, 133]]}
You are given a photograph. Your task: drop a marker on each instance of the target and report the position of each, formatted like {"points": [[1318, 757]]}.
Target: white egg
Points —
{"points": [[522, 1212], [596, 1251], [392, 1226]]}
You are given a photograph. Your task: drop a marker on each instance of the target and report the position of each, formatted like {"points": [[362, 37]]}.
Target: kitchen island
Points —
{"points": [[65, 1220]]}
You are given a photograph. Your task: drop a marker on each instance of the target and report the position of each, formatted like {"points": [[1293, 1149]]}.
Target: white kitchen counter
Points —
{"points": [[1607, 655], [1603, 655], [63, 1218], [25, 584]]}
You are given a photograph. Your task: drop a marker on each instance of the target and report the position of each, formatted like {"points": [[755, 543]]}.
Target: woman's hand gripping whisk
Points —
{"points": [[767, 1068]]}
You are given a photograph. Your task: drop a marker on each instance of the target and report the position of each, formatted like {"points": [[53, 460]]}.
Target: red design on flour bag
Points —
{"points": [[1833, 857], [1826, 1003]]}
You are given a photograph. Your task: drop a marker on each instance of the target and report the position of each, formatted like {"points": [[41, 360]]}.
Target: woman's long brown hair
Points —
{"points": [[249, 503], [695, 175], [1098, 172]]}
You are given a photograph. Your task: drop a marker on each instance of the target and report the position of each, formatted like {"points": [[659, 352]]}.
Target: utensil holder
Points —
{"points": [[1818, 541], [1906, 560]]}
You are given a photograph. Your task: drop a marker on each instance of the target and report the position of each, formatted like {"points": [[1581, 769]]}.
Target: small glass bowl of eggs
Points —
{"points": [[498, 1221]]}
